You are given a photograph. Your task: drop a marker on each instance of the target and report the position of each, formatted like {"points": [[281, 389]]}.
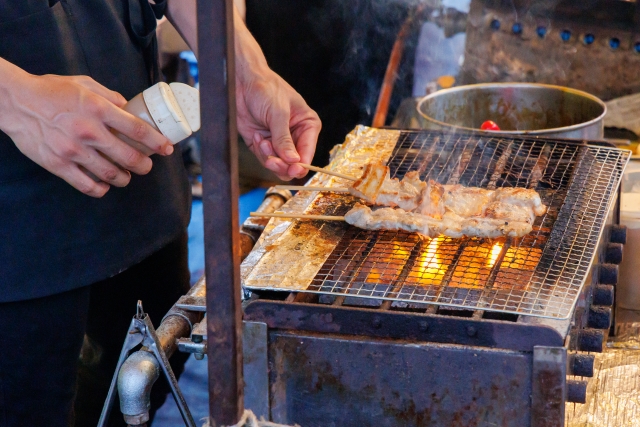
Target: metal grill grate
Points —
{"points": [[540, 274]]}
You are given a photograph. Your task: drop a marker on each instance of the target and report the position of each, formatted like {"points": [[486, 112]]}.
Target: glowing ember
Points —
{"points": [[387, 266]]}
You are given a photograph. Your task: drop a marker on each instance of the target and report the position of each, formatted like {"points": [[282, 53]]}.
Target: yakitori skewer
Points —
{"points": [[305, 188], [450, 225], [297, 216], [430, 208], [328, 172]]}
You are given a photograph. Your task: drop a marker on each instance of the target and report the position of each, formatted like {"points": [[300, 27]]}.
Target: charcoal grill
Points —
{"points": [[385, 328], [538, 275]]}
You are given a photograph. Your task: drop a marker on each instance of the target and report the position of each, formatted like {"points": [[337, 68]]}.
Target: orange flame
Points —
{"points": [[495, 253]]}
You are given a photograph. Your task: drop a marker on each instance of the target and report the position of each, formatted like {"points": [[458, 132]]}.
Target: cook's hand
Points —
{"points": [[277, 124], [273, 119], [63, 124]]}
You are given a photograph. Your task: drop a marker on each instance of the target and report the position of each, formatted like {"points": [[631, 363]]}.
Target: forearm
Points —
{"points": [[182, 14], [274, 121], [249, 56]]}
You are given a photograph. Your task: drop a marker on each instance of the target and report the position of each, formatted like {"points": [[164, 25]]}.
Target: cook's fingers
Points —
{"points": [[279, 167], [297, 171], [281, 136], [263, 149], [266, 147], [256, 149], [105, 170], [121, 153], [73, 174], [306, 137], [95, 87], [138, 130]]}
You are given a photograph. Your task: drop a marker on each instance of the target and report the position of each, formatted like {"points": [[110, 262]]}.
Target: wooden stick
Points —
{"points": [[297, 216], [328, 172], [304, 188]]}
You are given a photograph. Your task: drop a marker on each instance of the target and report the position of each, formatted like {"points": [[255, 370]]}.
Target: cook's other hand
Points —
{"points": [[273, 119], [63, 124]]}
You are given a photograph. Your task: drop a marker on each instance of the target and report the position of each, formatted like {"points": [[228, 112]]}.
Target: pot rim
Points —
{"points": [[517, 85]]}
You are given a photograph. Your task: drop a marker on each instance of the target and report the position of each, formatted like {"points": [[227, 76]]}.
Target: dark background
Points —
{"points": [[334, 53]]}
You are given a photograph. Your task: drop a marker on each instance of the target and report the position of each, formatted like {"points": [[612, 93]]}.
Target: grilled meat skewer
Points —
{"points": [[432, 199], [451, 224]]}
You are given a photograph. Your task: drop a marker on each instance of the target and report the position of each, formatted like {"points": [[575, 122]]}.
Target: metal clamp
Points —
{"points": [[142, 332], [178, 314]]}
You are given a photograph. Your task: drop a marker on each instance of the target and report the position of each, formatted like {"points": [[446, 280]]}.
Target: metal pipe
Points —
{"points": [[135, 379], [220, 202], [177, 323], [141, 369], [391, 74]]}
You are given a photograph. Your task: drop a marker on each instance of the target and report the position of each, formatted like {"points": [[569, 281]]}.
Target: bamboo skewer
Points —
{"points": [[305, 188], [328, 172], [297, 216]]}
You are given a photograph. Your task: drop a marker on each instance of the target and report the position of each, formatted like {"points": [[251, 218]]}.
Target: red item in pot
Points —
{"points": [[489, 125]]}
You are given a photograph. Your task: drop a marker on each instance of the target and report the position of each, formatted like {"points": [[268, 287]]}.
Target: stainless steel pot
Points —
{"points": [[517, 108]]}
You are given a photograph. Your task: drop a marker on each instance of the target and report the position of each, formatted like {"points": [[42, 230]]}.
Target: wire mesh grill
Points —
{"points": [[540, 274]]}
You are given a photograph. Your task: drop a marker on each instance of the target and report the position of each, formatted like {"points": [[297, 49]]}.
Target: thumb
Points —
{"points": [[281, 137]]}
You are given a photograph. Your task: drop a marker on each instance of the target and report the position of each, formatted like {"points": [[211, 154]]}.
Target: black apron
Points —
{"points": [[52, 237]]}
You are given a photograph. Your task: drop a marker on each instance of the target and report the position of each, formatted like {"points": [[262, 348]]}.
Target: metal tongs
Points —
{"points": [[142, 332]]}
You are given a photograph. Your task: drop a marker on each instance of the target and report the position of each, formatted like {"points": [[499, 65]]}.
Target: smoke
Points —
{"points": [[369, 29]]}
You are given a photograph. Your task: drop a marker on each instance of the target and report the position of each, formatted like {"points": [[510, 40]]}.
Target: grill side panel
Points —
{"points": [[381, 383]]}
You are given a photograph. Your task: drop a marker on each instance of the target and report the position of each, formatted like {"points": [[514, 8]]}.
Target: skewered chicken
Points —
{"points": [[451, 224], [432, 199], [431, 209], [523, 197]]}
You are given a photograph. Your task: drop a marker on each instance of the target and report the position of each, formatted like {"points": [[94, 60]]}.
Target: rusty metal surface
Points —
{"points": [[502, 55], [395, 383], [220, 205], [256, 368], [417, 327], [178, 321], [549, 373], [248, 240]]}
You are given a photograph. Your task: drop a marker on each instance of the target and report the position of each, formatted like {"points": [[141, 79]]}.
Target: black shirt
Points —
{"points": [[53, 238]]}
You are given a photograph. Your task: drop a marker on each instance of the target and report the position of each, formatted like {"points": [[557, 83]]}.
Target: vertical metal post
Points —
{"points": [[548, 386], [220, 200]]}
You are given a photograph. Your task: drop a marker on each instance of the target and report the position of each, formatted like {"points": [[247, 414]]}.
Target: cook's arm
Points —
{"points": [[273, 119]]}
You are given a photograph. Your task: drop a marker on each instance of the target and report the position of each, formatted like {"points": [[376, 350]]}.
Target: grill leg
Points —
{"points": [[548, 386]]}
